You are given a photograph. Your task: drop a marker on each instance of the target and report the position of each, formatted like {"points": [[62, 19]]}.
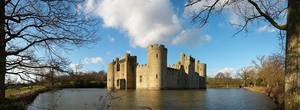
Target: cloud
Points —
{"points": [[191, 37], [92, 60], [226, 70], [202, 4], [145, 21], [266, 28], [75, 67], [234, 18], [128, 51], [89, 5]]}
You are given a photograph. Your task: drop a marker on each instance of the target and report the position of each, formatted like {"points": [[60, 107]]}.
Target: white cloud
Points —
{"points": [[226, 70], [234, 18], [145, 21], [75, 67], [128, 51], [266, 28], [92, 60], [89, 5], [233, 9], [190, 37], [202, 4]]}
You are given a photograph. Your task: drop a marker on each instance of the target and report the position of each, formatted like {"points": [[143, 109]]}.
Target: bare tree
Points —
{"points": [[32, 32], [247, 75], [281, 14]]}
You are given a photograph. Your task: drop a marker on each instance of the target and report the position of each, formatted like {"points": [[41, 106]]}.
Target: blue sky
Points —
{"points": [[214, 44]]}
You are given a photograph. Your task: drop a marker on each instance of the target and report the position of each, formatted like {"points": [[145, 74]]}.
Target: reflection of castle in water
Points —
{"points": [[126, 73]]}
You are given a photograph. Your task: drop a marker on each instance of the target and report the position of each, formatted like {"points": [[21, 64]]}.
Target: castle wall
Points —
{"points": [[187, 73], [142, 77], [110, 76]]}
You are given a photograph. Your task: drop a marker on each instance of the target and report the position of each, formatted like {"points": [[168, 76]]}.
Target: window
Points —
{"points": [[141, 78], [156, 55], [118, 67], [156, 76], [118, 81]]}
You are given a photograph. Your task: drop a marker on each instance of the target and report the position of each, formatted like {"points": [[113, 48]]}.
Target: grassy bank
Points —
{"points": [[15, 93], [17, 98], [261, 90]]}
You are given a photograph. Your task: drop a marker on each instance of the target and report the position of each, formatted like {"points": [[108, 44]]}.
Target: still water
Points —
{"points": [[210, 99]]}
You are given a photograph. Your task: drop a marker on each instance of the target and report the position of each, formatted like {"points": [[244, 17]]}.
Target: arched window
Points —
{"points": [[156, 55], [141, 78], [156, 76]]}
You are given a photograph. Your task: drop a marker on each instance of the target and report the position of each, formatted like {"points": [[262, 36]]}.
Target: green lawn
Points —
{"points": [[20, 91]]}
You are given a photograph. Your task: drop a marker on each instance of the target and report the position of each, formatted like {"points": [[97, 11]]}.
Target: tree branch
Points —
{"points": [[267, 17]]}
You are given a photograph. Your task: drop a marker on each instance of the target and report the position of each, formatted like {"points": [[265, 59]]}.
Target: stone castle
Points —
{"points": [[126, 73]]}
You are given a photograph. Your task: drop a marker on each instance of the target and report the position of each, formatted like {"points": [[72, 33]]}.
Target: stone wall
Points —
{"points": [[187, 73], [142, 81], [122, 73]]}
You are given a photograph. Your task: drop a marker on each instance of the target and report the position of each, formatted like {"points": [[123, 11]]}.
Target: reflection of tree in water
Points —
{"points": [[113, 98], [65, 99], [52, 99], [107, 100]]}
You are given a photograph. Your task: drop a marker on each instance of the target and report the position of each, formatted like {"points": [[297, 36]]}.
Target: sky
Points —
{"points": [[129, 26]]}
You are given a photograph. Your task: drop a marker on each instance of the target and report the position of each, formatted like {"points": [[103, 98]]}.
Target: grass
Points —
{"points": [[257, 89], [12, 93], [18, 97]]}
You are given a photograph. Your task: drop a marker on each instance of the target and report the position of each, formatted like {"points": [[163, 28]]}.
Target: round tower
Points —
{"points": [[157, 64]]}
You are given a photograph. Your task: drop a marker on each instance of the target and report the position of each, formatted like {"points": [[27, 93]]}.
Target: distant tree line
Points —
{"points": [[223, 80], [79, 80], [82, 80]]}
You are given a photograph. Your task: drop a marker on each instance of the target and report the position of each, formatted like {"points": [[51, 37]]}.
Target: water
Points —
{"points": [[210, 99]]}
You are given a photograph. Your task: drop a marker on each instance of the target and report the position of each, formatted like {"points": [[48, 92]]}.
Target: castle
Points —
{"points": [[126, 73]]}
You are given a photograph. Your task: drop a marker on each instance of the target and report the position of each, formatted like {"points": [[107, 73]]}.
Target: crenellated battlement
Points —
{"points": [[157, 46], [141, 65], [174, 66]]}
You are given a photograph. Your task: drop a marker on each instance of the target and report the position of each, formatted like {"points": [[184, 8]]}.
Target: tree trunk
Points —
{"points": [[292, 68], [2, 51]]}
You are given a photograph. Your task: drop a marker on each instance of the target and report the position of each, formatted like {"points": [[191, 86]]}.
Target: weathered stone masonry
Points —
{"points": [[126, 73]]}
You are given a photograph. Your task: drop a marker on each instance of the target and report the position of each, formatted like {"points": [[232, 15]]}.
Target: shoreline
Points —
{"points": [[262, 90], [20, 101]]}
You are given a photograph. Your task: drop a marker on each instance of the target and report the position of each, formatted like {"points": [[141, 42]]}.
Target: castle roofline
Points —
{"points": [[156, 46]]}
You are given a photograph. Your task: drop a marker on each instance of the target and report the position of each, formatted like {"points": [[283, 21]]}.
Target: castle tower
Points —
{"points": [[130, 70], [202, 69], [182, 57], [110, 76], [157, 64], [202, 75]]}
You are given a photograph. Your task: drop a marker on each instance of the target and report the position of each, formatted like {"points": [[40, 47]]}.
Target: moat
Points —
{"points": [[210, 99]]}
